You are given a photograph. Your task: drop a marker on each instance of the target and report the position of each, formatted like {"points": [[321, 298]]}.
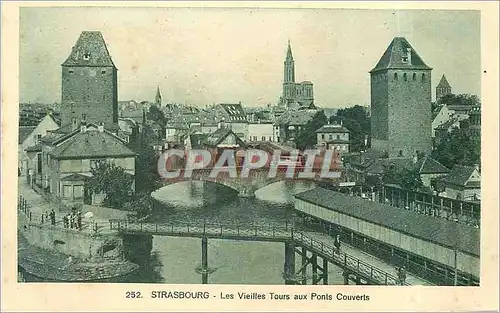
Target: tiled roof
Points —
{"points": [[332, 128], [448, 124], [459, 175], [89, 50], [429, 228], [443, 83], [91, 143], [393, 57], [35, 148], [235, 112], [428, 165], [24, 132], [297, 118], [219, 135]]}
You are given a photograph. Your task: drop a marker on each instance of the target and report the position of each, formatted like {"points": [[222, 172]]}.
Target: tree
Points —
{"points": [[356, 120], [407, 178], [462, 99], [306, 137], [458, 147], [146, 169], [155, 114], [113, 181], [141, 204]]}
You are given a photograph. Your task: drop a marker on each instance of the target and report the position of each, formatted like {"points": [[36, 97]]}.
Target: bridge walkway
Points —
{"points": [[371, 269]]}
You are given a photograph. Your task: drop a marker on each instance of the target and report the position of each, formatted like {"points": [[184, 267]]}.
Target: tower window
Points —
{"points": [[71, 71], [400, 154], [404, 77], [395, 76], [414, 76], [103, 72], [423, 77]]}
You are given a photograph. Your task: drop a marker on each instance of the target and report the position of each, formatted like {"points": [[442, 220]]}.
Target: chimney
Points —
{"points": [[408, 54], [100, 128], [83, 127], [415, 159]]}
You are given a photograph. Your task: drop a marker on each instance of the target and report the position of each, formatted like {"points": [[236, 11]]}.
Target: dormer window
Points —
{"points": [[404, 59], [86, 56]]}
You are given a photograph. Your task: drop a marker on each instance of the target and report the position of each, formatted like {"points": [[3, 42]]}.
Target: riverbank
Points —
{"points": [[46, 265]]}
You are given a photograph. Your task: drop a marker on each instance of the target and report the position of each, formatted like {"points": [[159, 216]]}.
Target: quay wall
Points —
{"points": [[85, 245]]}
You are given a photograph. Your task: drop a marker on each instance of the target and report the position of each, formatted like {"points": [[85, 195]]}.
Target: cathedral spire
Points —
{"points": [[158, 96], [289, 55]]}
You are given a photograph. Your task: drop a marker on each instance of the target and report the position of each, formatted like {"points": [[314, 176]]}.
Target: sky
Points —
{"points": [[201, 56]]}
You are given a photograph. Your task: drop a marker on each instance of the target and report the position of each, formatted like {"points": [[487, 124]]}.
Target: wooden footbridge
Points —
{"points": [[296, 242]]}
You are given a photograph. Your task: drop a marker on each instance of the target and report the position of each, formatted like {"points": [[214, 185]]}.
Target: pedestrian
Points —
{"points": [[65, 221], [53, 217], [403, 275], [43, 215], [71, 220], [79, 221], [336, 243]]}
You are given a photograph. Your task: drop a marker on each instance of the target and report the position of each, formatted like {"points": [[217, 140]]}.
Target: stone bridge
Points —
{"points": [[247, 186]]}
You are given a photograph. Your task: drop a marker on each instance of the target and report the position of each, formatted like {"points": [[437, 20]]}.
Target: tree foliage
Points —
{"points": [[306, 137], [458, 147], [141, 204], [356, 120], [156, 114], [113, 181], [406, 178], [462, 99]]}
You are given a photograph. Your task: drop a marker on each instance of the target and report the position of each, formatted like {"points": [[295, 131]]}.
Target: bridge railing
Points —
{"points": [[285, 231], [209, 229], [349, 262]]}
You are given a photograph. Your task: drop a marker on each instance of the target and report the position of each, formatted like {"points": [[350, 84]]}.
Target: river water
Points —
{"points": [[232, 262]]}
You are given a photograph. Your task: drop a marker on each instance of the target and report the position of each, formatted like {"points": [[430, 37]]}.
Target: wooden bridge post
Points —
{"points": [[204, 260], [289, 269], [314, 261], [357, 280], [325, 271], [304, 262], [346, 277]]}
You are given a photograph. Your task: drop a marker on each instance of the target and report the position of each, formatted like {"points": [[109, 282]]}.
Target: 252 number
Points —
{"points": [[133, 294]]}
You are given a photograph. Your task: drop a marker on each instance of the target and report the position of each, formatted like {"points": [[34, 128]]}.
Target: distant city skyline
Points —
{"points": [[204, 56]]}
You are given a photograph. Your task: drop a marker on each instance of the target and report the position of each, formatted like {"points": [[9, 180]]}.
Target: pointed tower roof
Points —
{"points": [[443, 83], [395, 57], [289, 55], [158, 94], [89, 50]]}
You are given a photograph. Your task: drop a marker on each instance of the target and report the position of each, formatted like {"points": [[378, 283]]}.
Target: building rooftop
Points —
{"points": [[396, 57], [428, 165], [91, 144], [24, 132], [460, 175], [428, 228], [332, 128], [90, 50], [443, 83]]}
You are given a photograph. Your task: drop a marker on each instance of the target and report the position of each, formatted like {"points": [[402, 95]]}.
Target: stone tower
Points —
{"points": [[289, 77], [401, 102], [89, 83], [443, 88], [158, 97]]}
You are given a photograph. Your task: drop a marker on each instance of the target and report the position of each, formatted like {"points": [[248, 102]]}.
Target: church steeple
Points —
{"points": [[289, 56], [158, 97], [289, 73]]}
